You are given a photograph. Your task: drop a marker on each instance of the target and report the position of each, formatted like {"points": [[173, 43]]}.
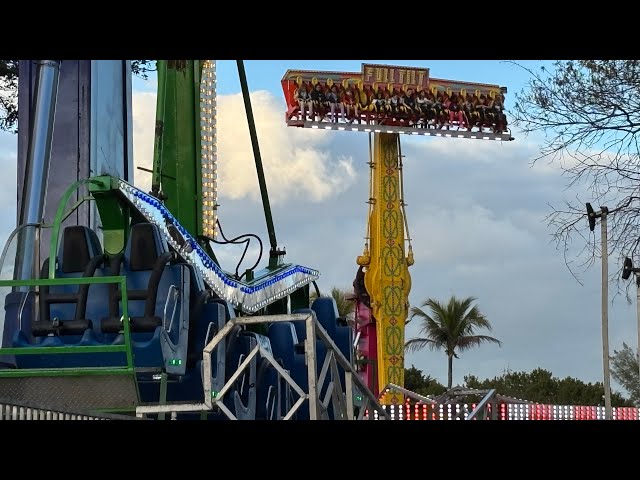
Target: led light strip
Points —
{"points": [[509, 411], [208, 148], [248, 298], [406, 130]]}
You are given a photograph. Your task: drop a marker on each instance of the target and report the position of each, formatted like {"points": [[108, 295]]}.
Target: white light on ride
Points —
{"points": [[208, 148], [249, 298]]}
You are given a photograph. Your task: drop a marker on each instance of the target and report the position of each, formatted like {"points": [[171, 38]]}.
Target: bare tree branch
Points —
{"points": [[589, 114]]}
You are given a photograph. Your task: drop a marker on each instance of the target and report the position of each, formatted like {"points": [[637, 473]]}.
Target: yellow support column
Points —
{"points": [[387, 276]]}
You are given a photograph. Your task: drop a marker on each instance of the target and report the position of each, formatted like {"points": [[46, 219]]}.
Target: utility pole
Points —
{"points": [[592, 215]]}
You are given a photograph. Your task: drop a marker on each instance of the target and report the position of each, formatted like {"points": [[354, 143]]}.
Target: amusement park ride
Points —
{"points": [[115, 304], [387, 101]]}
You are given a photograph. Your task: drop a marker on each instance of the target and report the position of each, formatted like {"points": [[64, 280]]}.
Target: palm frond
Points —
{"points": [[415, 344], [469, 341], [474, 319], [450, 325], [417, 312], [439, 310], [345, 306]]}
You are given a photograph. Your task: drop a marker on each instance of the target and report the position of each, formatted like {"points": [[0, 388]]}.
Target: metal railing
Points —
{"points": [[407, 393], [337, 401], [487, 408]]}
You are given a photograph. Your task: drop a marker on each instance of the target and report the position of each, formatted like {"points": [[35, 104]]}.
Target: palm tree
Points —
{"points": [[450, 327], [344, 302]]}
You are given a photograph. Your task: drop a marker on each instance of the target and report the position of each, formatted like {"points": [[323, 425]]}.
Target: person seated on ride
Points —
{"points": [[416, 108], [342, 94], [430, 106], [469, 109], [481, 108], [333, 100], [444, 112], [349, 104], [501, 118], [394, 104], [304, 101], [357, 107], [368, 91], [463, 112], [437, 108], [416, 111], [421, 107], [387, 102], [366, 100], [363, 103], [489, 117], [407, 104], [319, 100], [373, 104], [474, 112], [377, 103], [456, 112]]}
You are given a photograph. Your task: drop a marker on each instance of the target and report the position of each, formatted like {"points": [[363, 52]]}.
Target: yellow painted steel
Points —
{"points": [[387, 278]]}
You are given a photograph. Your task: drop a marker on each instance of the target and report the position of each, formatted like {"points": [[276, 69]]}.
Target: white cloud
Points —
{"points": [[473, 234], [144, 114], [298, 163], [8, 192]]}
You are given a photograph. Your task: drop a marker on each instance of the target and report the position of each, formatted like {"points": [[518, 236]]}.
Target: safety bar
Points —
{"points": [[22, 304], [176, 293]]}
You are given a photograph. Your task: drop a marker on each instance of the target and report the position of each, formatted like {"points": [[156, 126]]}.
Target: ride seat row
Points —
{"points": [[82, 315], [87, 315]]}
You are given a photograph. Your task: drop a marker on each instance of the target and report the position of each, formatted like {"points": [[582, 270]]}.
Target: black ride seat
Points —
{"points": [[144, 260], [80, 255]]}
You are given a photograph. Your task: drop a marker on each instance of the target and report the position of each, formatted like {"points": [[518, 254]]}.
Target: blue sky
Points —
{"points": [[475, 209], [266, 75]]}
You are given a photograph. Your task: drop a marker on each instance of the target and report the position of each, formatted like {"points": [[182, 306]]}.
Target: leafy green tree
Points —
{"points": [[541, 386], [8, 94], [450, 327], [9, 89], [425, 385], [625, 370], [589, 113]]}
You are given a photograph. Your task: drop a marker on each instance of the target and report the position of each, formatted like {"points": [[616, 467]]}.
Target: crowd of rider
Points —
{"points": [[419, 109]]}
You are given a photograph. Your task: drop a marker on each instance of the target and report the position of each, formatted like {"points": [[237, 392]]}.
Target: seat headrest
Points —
{"points": [[145, 245], [277, 329], [78, 246], [325, 306]]}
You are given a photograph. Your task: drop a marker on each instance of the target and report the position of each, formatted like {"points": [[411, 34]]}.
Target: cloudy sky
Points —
{"points": [[475, 209]]}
